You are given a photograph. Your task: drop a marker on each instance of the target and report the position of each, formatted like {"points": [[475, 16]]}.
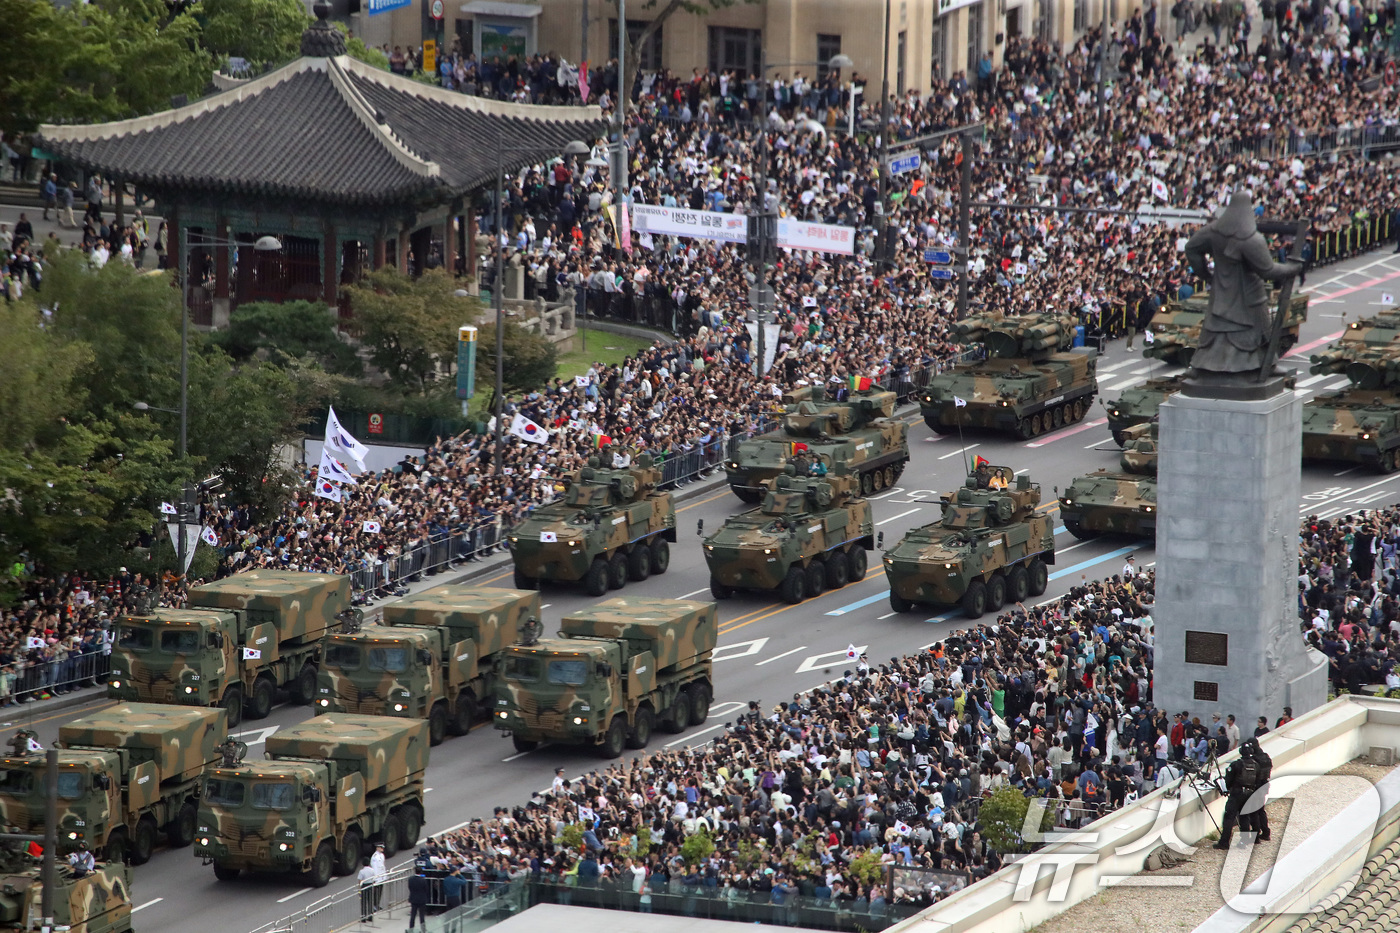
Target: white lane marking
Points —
{"points": [[1125, 384], [1142, 370], [427, 790], [751, 647], [1371, 498], [159, 899], [1119, 365], [1346, 471], [1066, 550], [959, 451], [778, 657], [703, 589], [546, 605], [886, 494], [1094, 444], [820, 660], [1019, 472], [523, 754], [260, 735], [900, 515], [1309, 381], [693, 735], [887, 615], [294, 894]]}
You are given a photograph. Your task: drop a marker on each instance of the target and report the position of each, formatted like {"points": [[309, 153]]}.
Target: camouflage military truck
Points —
{"points": [[1139, 404], [330, 789], [611, 526], [1176, 328], [125, 773], [98, 902], [990, 546], [1032, 381], [431, 659], [239, 640], [857, 435], [810, 534], [1104, 502], [1140, 449], [616, 671]]}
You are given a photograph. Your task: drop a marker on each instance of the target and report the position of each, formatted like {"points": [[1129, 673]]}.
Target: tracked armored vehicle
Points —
{"points": [[1104, 502], [1359, 424], [1176, 328], [1031, 382], [855, 434], [1139, 404], [1140, 449], [810, 535], [612, 525], [991, 546]]}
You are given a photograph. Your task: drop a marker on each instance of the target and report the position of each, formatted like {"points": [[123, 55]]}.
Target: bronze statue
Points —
{"points": [[1234, 346]]}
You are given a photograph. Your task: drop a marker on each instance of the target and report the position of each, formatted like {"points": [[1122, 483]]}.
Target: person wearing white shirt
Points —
{"points": [[381, 872]]}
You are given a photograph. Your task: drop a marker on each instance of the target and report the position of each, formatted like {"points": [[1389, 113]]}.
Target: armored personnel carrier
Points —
{"points": [[1176, 328], [810, 535], [1364, 352], [611, 526], [990, 546], [1140, 449], [1139, 404], [1104, 502], [855, 434], [97, 902], [1359, 424]]}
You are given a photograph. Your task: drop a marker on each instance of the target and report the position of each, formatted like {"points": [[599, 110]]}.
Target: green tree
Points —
{"points": [[1002, 817], [355, 47], [867, 868], [265, 32], [409, 325], [697, 847], [530, 360], [291, 330]]}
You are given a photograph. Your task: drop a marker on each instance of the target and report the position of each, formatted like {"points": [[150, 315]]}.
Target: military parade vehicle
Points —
{"points": [[854, 434], [430, 659], [1140, 449], [238, 641], [125, 774], [1361, 423], [1139, 404], [330, 789], [991, 546], [96, 902], [1033, 380], [617, 670], [809, 535], [1176, 328], [1105, 502], [611, 526]]}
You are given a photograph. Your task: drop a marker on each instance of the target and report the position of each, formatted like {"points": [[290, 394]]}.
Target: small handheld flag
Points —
{"points": [[860, 383], [327, 490], [601, 440], [1149, 337], [903, 828], [979, 462], [372, 527], [851, 653], [797, 447], [339, 439], [208, 537], [527, 430], [167, 509]]}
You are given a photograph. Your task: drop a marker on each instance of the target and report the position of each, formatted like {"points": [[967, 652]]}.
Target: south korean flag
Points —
{"points": [[548, 537]]}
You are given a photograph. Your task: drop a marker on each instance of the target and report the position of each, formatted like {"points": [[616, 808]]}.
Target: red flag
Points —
{"points": [[583, 81], [916, 188], [35, 850], [979, 462], [601, 440]]}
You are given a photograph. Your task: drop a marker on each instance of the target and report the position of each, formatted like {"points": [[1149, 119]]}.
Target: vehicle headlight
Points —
{"points": [[204, 840], [1005, 403], [1148, 508], [189, 690], [73, 835], [709, 547], [573, 544], [578, 720], [889, 560], [513, 539], [768, 550], [1366, 435], [324, 702], [733, 465], [398, 707], [282, 847], [1113, 412], [1069, 501], [117, 684], [503, 714], [947, 566]]}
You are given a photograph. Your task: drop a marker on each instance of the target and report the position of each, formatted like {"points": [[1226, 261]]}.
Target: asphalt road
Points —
{"points": [[769, 650]]}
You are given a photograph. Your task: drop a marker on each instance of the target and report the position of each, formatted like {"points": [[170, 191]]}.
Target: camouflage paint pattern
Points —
{"points": [[1176, 328], [604, 512], [1364, 351], [1031, 382], [983, 533], [1139, 404], [802, 519], [322, 778], [301, 606], [151, 756], [856, 436], [179, 661], [1140, 449], [1110, 503], [99, 902], [1354, 426], [462, 628], [556, 689]]}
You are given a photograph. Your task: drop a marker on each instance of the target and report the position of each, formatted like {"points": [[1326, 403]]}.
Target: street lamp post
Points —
{"points": [[883, 249]]}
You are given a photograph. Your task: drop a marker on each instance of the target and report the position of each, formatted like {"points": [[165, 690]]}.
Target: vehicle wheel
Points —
{"points": [[1387, 462], [719, 590], [641, 729], [939, 426], [322, 866], [996, 592], [616, 738], [143, 841], [699, 703], [639, 563], [617, 571], [233, 704], [746, 495], [877, 480], [522, 582], [180, 832], [437, 723], [794, 586], [838, 570], [115, 850], [595, 582], [304, 687], [889, 476], [410, 824], [899, 603], [867, 484], [352, 851], [1039, 577], [1018, 584], [1057, 417], [524, 745], [678, 718], [260, 703], [816, 579], [974, 601], [1078, 409], [660, 556], [855, 564], [391, 834], [464, 715], [225, 873], [1075, 528], [1025, 428]]}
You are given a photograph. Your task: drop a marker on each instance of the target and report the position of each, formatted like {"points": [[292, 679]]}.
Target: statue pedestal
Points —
{"points": [[1226, 616]]}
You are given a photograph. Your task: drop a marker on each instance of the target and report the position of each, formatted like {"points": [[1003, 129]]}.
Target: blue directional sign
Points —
{"points": [[940, 273], [905, 163], [384, 6], [940, 256]]}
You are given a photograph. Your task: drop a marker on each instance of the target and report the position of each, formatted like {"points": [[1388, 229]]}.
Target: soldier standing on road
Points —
{"points": [[366, 878], [381, 872]]}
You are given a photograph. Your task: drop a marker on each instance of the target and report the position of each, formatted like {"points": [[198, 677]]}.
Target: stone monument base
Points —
{"points": [[1226, 617]]}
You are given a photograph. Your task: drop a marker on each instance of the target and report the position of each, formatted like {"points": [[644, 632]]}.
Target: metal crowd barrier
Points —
{"points": [[341, 910], [45, 679], [1360, 236]]}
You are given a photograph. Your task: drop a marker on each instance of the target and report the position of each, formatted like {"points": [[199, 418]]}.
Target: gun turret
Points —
{"points": [[815, 418], [991, 496], [1019, 336], [1366, 352]]}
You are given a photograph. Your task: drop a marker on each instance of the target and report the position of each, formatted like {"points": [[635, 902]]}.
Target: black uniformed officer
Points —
{"points": [[1245, 775]]}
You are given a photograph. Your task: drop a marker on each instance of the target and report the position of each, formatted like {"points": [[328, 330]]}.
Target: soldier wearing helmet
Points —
{"points": [[1246, 775]]}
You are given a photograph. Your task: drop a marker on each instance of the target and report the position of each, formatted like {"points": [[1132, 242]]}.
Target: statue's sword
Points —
{"points": [[1285, 295]]}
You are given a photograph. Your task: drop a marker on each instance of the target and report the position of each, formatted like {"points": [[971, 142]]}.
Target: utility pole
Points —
{"points": [[1103, 64], [46, 867], [759, 237], [964, 221], [583, 32], [883, 248], [623, 92]]}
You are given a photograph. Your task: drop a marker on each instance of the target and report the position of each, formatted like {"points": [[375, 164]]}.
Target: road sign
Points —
{"points": [[905, 163], [940, 273], [940, 256]]}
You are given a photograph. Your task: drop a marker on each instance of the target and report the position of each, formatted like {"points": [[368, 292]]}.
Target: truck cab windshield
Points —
{"points": [[140, 639], [570, 673], [179, 641], [222, 793], [70, 784], [16, 782], [388, 659], [273, 796], [344, 657], [518, 668]]}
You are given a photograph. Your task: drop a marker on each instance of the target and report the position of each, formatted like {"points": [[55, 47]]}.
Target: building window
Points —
{"points": [[1044, 27], [735, 49], [1081, 16], [976, 35], [651, 52], [899, 63], [938, 50], [828, 47]]}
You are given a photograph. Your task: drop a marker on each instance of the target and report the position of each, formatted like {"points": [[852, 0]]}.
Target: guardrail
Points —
{"points": [[41, 680], [342, 910]]}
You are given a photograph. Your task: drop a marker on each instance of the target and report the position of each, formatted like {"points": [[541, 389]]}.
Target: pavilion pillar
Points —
{"points": [[403, 246], [222, 306], [380, 248], [117, 202], [471, 242], [330, 264], [175, 249], [449, 244]]}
